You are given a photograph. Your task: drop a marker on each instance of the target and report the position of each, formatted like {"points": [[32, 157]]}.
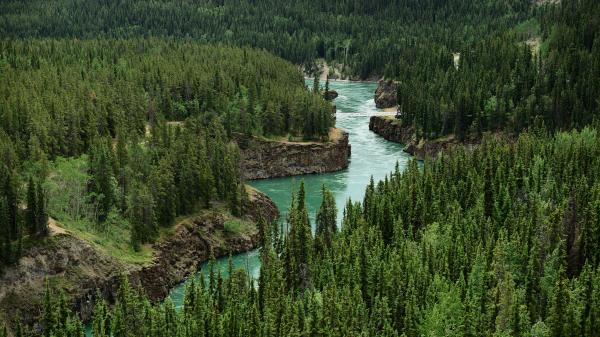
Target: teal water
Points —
{"points": [[371, 156]]}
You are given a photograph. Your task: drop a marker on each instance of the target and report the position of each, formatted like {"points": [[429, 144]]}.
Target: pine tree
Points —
{"points": [[49, 316], [303, 244], [100, 318], [326, 220], [101, 167], [141, 216], [12, 205], [32, 211], [207, 182], [41, 215]]}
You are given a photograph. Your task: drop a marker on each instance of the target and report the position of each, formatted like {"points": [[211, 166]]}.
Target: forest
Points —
{"points": [[118, 117], [365, 36], [544, 73], [501, 240], [103, 129]]}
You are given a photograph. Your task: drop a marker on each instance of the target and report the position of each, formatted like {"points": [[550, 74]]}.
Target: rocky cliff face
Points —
{"points": [[267, 159], [386, 94], [431, 148], [392, 130], [80, 269]]}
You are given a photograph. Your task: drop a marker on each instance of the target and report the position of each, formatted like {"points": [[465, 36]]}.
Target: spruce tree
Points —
{"points": [[326, 219], [101, 167], [316, 83], [41, 215], [32, 211]]}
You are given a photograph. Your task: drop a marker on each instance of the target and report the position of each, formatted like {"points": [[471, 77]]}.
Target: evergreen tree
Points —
{"points": [[41, 216], [141, 216], [326, 220], [32, 211]]}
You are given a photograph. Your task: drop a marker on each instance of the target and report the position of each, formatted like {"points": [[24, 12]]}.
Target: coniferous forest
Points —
{"points": [[109, 122], [502, 240], [117, 118]]}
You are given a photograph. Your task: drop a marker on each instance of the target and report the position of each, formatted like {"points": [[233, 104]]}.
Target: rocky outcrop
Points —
{"points": [[330, 95], [67, 263], [430, 148], [267, 159], [390, 129], [260, 207], [81, 269], [386, 94]]}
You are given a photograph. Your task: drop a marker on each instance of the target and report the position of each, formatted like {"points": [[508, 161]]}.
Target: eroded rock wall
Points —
{"points": [[386, 94], [390, 129], [263, 159]]}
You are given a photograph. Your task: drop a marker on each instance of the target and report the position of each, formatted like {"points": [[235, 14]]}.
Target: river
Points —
{"points": [[371, 156]]}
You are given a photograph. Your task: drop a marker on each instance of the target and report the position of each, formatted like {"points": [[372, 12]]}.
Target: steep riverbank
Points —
{"points": [[391, 129], [386, 94], [264, 158], [77, 267]]}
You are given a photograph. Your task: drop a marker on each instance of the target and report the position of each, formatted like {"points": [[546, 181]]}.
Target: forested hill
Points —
{"points": [[365, 35], [89, 131], [543, 73]]}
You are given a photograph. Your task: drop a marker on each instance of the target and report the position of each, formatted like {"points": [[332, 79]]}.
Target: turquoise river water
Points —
{"points": [[371, 156]]}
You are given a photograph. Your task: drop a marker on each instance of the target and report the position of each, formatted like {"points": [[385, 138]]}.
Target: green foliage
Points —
{"points": [[449, 268], [500, 84], [125, 135], [233, 226], [121, 121], [105, 87], [364, 36]]}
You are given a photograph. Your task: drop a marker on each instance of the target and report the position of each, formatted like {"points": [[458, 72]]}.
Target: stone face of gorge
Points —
{"points": [[263, 159], [386, 94], [392, 130], [81, 269]]}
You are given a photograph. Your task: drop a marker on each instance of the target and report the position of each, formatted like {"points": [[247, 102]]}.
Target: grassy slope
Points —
{"points": [[114, 241]]}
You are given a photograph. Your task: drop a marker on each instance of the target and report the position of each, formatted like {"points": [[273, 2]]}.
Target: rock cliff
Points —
{"points": [[330, 95], [392, 130], [267, 159], [386, 94], [80, 269]]}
